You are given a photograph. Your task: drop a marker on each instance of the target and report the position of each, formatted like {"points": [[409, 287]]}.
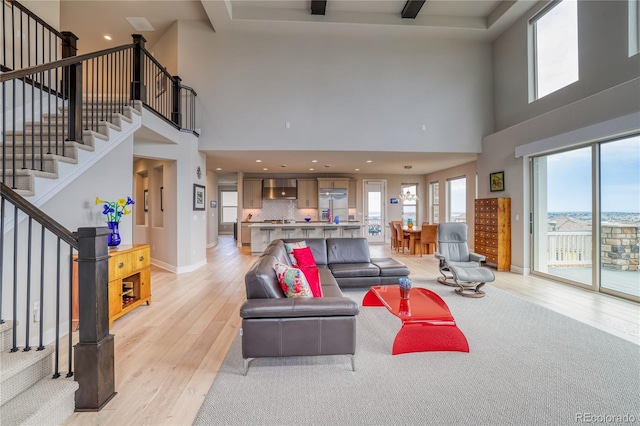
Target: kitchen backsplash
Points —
{"points": [[278, 210]]}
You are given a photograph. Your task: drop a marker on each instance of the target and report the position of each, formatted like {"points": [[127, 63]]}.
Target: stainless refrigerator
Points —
{"points": [[333, 202]]}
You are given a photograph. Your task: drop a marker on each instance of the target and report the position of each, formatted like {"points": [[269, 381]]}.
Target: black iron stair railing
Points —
{"points": [[46, 106]]}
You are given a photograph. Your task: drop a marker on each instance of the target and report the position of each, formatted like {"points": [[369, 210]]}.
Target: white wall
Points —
{"points": [[161, 141], [165, 50], [338, 93]]}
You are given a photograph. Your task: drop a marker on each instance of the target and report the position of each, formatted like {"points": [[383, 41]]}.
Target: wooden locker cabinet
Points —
{"points": [[129, 279], [493, 231]]}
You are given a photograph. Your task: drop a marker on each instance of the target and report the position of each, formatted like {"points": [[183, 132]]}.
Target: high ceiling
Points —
{"points": [[484, 20]]}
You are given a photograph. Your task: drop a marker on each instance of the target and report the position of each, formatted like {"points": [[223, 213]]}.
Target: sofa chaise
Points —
{"points": [[274, 325]]}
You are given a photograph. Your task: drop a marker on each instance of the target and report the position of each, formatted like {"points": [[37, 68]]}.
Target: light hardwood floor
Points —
{"points": [[167, 354]]}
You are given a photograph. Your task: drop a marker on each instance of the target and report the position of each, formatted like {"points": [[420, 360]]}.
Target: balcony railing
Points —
{"points": [[572, 248]]}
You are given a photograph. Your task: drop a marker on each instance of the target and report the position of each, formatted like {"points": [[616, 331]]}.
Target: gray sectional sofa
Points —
{"points": [[274, 325]]}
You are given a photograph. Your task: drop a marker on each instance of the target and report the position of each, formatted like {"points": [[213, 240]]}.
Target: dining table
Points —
{"points": [[414, 237]]}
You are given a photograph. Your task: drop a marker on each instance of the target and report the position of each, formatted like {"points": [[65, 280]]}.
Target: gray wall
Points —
{"points": [[603, 62], [600, 105], [338, 93]]}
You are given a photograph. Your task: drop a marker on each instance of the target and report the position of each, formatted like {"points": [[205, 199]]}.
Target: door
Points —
{"points": [[374, 213]]}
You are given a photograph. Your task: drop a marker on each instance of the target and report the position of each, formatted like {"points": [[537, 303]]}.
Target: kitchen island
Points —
{"points": [[262, 233]]}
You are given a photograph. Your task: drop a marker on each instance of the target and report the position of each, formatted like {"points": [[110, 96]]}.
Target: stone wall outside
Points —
{"points": [[620, 247]]}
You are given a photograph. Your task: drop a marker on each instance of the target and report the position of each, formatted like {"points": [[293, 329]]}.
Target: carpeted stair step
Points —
{"points": [[88, 137], [70, 148], [45, 162], [21, 370], [87, 117], [29, 132], [6, 336], [48, 402], [25, 180]]}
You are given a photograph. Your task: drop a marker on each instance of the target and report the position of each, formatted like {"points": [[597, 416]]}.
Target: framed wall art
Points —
{"points": [[496, 181], [146, 200], [198, 197]]}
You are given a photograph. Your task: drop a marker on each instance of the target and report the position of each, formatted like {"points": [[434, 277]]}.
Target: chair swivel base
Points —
{"points": [[470, 290]]}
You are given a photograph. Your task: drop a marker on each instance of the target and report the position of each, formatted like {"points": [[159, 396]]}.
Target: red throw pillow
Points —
{"points": [[312, 274], [304, 257]]}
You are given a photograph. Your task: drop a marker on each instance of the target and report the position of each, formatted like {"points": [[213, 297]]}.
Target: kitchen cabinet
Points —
{"points": [[245, 233], [492, 233], [333, 183], [252, 194], [307, 194], [351, 195]]}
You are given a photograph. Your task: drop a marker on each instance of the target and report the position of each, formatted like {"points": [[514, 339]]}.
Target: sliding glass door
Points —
{"points": [[586, 216], [563, 215], [619, 217]]}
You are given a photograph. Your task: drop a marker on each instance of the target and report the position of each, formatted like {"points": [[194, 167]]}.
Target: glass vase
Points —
{"points": [[113, 240]]}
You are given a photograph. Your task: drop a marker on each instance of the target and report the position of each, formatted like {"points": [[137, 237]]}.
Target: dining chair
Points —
{"points": [[403, 241], [394, 234], [428, 237]]}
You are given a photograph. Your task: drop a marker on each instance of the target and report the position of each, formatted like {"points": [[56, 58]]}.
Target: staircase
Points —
{"points": [[28, 394], [46, 150]]}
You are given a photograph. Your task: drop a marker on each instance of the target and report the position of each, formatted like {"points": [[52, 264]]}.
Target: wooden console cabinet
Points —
{"points": [[129, 281], [493, 231]]}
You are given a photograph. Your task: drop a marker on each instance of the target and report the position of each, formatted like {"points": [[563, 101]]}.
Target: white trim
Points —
{"points": [[619, 126]]}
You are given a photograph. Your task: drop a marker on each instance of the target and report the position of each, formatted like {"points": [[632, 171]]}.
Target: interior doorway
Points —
{"points": [[374, 212]]}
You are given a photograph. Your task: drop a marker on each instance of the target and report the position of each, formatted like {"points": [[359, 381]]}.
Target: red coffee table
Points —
{"points": [[427, 324]]}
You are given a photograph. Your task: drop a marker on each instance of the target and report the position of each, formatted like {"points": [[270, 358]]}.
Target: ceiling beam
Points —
{"points": [[411, 9], [318, 7]]}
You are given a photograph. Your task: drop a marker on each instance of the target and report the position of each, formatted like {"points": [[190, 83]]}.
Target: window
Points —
{"points": [[555, 47], [229, 206], [457, 200], [410, 206], [434, 202]]}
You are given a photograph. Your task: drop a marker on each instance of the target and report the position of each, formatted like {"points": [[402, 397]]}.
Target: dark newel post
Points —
{"points": [[72, 85], [94, 353], [138, 90], [176, 114]]}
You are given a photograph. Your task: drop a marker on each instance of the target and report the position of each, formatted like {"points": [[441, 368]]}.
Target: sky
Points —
{"points": [[569, 178]]}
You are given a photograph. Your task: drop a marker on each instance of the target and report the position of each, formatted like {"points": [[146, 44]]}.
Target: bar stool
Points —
{"points": [[306, 230], [352, 229], [268, 230], [329, 229], [287, 230]]}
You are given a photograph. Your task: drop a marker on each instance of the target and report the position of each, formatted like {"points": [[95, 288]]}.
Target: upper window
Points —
{"points": [[555, 47]]}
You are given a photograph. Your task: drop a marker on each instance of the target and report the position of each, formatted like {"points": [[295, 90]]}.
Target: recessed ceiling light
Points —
{"points": [[258, 161], [141, 24], [107, 37], [283, 165], [264, 168], [369, 161], [314, 161], [218, 168], [312, 169], [357, 170]]}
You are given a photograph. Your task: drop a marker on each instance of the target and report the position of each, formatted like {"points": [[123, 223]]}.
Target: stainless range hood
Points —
{"points": [[279, 189]]}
